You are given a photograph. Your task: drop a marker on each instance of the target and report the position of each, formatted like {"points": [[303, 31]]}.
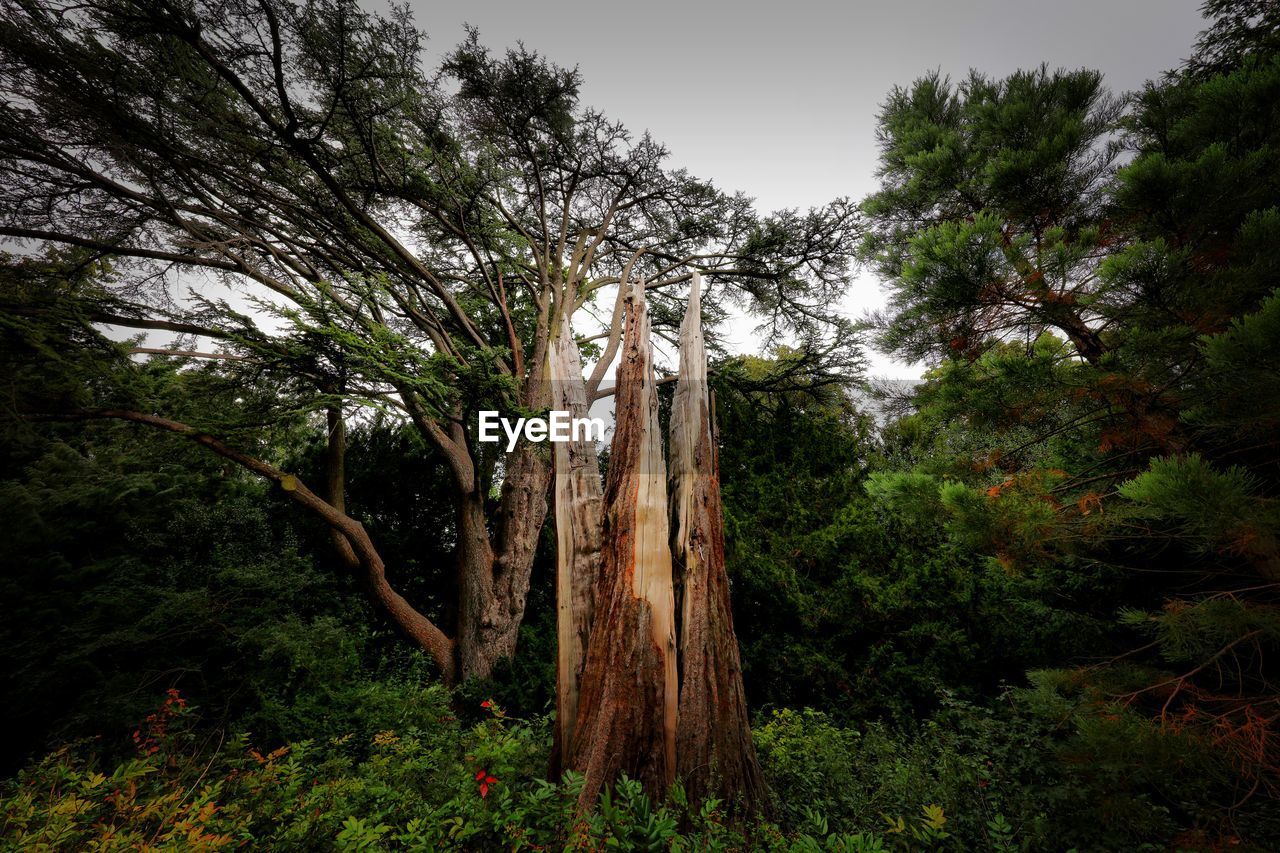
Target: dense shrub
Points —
{"points": [[439, 785]]}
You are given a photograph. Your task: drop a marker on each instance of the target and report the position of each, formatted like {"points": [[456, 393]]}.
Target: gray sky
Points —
{"points": [[779, 100]]}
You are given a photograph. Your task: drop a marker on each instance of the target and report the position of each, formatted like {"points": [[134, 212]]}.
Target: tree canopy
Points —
{"points": [[378, 233]]}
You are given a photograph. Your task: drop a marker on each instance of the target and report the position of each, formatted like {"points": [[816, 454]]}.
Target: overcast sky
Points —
{"points": [[779, 100]]}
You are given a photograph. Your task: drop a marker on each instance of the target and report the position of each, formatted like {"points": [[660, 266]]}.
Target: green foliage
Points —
{"points": [[187, 581], [138, 559], [907, 786], [981, 227], [1241, 391], [969, 779], [437, 785], [1215, 509], [1100, 419], [864, 584], [1047, 769]]}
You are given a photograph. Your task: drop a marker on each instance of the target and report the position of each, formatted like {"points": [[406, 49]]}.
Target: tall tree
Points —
{"points": [[579, 520], [715, 755], [383, 235], [988, 220], [628, 704], [1129, 438]]}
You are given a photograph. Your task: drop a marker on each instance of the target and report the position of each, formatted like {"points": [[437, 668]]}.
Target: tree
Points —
{"points": [[579, 522], [1136, 457], [630, 691], [713, 733], [140, 561], [988, 221], [381, 235]]}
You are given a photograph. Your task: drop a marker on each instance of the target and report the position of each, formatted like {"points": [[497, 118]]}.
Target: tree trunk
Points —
{"points": [[1087, 342], [493, 562], [473, 565], [493, 587], [579, 517], [713, 737], [627, 706], [522, 514]]}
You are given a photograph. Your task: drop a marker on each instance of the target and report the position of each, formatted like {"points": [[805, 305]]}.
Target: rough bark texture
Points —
{"points": [[713, 737], [579, 517], [627, 706], [493, 573], [521, 516], [493, 567], [522, 510], [474, 569]]}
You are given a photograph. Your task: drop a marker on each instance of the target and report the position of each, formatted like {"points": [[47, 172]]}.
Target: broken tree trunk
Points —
{"points": [[713, 739], [627, 705], [579, 517]]}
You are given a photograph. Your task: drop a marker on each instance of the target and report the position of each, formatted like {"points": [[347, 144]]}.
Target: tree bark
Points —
{"points": [[493, 571], [627, 706], [521, 515], [489, 606], [493, 562], [474, 569], [713, 736], [492, 589], [494, 565], [579, 518]]}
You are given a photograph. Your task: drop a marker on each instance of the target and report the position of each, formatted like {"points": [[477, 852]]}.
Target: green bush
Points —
{"points": [[908, 786], [437, 785], [1048, 769]]}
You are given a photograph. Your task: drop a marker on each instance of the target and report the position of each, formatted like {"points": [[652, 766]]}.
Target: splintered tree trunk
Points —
{"points": [[713, 738], [627, 706], [579, 517]]}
